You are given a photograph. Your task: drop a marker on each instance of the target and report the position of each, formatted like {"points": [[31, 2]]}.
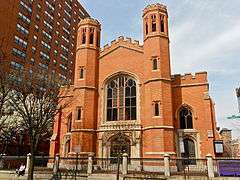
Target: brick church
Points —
{"points": [[125, 99]]}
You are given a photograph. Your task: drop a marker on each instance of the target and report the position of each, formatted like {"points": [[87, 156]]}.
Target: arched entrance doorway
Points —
{"points": [[119, 144], [189, 151]]}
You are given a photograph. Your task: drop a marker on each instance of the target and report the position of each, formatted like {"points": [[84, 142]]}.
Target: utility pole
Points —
{"points": [[238, 97]]}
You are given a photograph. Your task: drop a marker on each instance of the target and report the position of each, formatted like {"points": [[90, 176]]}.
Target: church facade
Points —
{"points": [[125, 99]]}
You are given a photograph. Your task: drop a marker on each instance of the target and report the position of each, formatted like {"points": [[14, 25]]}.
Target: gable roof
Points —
{"points": [[121, 42]]}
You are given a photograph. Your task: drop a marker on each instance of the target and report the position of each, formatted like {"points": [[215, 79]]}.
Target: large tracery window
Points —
{"points": [[121, 99], [186, 118]]}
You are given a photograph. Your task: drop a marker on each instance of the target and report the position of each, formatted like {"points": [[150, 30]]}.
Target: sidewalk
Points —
{"points": [[11, 175]]}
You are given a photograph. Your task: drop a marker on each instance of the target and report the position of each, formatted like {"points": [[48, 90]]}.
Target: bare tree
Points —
{"points": [[36, 99]]}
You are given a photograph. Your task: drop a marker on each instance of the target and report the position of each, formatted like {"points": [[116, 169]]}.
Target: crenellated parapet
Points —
{"points": [[121, 42], [155, 7], [89, 20], [189, 79]]}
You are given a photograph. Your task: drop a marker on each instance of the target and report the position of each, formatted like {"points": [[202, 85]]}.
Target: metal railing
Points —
{"points": [[74, 166], [188, 167], [105, 165], [146, 165], [12, 162]]}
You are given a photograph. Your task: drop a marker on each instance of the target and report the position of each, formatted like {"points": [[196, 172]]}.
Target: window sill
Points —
{"points": [[157, 117], [78, 121], [119, 122]]}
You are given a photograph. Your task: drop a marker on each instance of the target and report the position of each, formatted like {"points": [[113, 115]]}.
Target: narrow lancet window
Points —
{"points": [[154, 64], [91, 38], [156, 108], [162, 24], [84, 36], [154, 26]]}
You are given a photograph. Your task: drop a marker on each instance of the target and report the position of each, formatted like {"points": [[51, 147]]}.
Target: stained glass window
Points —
{"points": [[186, 118], [121, 99]]}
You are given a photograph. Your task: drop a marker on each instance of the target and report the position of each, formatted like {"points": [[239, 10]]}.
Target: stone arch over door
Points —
{"points": [[131, 137], [120, 144]]}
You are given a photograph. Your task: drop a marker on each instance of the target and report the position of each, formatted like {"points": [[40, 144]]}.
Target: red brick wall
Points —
{"points": [[127, 56]]}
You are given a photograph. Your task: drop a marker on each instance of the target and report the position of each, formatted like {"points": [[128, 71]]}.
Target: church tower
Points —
{"points": [[85, 86], [157, 121]]}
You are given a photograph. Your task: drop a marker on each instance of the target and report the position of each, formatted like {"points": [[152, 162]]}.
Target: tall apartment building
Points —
{"points": [[40, 35]]}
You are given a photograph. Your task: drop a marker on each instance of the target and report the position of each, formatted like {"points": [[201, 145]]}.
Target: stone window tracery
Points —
{"points": [[121, 99], [186, 118]]}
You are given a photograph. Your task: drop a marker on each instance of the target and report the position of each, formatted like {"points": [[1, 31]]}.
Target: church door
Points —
{"points": [[189, 152], [119, 145]]}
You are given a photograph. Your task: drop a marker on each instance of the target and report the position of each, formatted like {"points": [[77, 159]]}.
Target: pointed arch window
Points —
{"points": [[154, 26], [81, 72], [156, 108], [69, 123], [185, 115], [121, 99], [84, 35]]}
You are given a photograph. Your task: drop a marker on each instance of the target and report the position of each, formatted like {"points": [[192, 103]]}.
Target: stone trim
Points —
{"points": [[159, 153], [120, 46], [157, 127], [87, 47], [157, 35], [83, 130], [157, 79], [85, 87]]}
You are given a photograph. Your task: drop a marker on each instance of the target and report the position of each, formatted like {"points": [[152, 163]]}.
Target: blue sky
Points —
{"points": [[204, 36]]}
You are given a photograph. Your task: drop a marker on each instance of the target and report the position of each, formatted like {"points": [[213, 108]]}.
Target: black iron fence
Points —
{"points": [[106, 165], [188, 166], [75, 166], [146, 166], [12, 162]]}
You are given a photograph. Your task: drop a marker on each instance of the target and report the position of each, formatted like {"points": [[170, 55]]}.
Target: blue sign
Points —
{"points": [[229, 167]]}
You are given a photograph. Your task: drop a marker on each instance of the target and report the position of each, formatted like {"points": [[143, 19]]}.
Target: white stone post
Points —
{"points": [[125, 164], [28, 163], [90, 163], [56, 164], [210, 165], [166, 165]]}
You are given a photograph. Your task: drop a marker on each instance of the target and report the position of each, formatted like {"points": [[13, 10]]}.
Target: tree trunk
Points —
{"points": [[32, 159]]}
